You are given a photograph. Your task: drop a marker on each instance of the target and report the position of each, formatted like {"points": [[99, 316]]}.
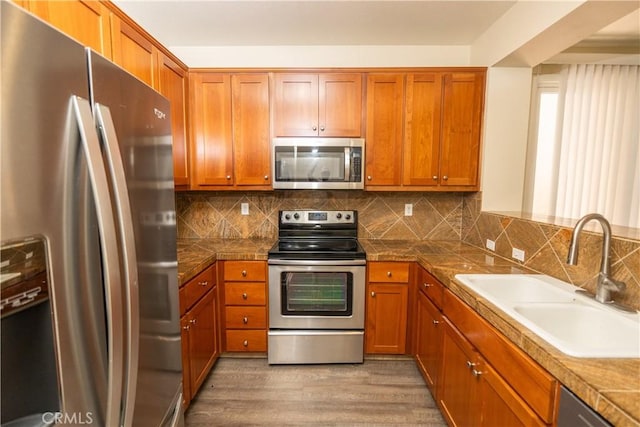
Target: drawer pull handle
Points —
{"points": [[193, 321], [476, 373], [389, 274], [245, 296], [470, 364], [244, 273], [205, 283], [427, 285], [245, 320], [435, 322], [245, 343], [186, 327]]}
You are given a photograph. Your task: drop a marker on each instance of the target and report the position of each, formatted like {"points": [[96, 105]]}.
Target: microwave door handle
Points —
{"points": [[109, 252], [347, 164], [126, 231]]}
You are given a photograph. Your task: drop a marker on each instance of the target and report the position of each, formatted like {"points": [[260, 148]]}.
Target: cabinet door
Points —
{"points": [[386, 319], [422, 129], [296, 104], [340, 105], [186, 365], [133, 51], [212, 145], [429, 340], [203, 338], [461, 124], [85, 21], [458, 392], [385, 93], [250, 112], [501, 405], [172, 83]]}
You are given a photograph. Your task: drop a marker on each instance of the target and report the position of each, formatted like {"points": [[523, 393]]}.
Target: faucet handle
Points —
{"points": [[614, 285]]}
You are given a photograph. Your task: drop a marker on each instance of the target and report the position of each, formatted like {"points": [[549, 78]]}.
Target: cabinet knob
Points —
{"points": [[476, 373], [314, 127], [445, 177], [435, 177], [228, 177], [244, 296], [435, 322], [389, 274], [193, 321], [245, 320], [186, 327], [244, 273], [369, 177], [373, 294], [427, 285], [470, 364], [321, 128], [266, 177], [245, 343]]}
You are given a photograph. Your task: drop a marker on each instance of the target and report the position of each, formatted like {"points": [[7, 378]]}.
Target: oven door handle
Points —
{"points": [[316, 262]]}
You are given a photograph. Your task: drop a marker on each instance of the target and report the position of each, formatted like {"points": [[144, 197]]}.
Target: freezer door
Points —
{"points": [[136, 119], [54, 188]]}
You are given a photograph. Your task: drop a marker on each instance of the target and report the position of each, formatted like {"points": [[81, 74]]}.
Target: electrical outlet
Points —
{"points": [[517, 254], [408, 209], [244, 208], [491, 245]]}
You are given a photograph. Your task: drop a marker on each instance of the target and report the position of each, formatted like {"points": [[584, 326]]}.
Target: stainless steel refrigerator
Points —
{"points": [[89, 298]]}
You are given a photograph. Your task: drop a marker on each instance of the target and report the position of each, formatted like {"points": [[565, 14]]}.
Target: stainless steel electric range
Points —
{"points": [[316, 289]]}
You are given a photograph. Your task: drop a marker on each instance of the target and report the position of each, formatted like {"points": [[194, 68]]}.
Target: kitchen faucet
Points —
{"points": [[605, 283]]}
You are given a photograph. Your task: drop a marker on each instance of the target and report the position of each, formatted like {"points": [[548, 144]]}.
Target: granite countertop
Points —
{"points": [[610, 386]]}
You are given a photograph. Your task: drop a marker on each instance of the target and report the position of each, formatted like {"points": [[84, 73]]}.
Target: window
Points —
{"points": [[584, 144]]}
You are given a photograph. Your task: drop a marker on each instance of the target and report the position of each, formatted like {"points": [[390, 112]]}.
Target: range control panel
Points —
{"points": [[318, 217]]}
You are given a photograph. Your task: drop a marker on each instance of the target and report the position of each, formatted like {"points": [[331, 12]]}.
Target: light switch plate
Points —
{"points": [[408, 209], [244, 208], [491, 245], [518, 254]]}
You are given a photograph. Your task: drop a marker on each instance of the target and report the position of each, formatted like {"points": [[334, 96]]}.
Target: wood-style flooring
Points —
{"points": [[250, 392]]}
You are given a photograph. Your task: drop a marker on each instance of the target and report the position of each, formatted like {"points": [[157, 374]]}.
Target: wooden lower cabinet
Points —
{"points": [[429, 340], [387, 302], [245, 306], [200, 336]]}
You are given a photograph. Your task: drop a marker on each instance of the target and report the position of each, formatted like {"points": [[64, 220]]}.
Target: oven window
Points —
{"points": [[317, 293]]}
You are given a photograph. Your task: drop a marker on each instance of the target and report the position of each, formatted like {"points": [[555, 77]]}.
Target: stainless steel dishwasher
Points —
{"points": [[574, 412]]}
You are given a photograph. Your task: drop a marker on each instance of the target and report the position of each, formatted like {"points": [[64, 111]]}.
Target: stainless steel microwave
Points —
{"points": [[318, 163]]}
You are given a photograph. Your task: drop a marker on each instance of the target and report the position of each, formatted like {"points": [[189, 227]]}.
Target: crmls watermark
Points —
{"points": [[74, 418]]}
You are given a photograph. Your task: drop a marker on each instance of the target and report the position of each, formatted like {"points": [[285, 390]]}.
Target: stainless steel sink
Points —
{"points": [[550, 308]]}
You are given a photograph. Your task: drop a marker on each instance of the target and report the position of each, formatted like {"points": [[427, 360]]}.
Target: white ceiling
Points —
{"points": [[224, 23]]}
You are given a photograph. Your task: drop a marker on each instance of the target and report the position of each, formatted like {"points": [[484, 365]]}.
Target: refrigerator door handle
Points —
{"points": [[110, 256], [123, 211]]}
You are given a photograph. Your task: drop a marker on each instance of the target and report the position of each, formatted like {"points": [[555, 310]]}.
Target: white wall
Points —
{"points": [[506, 120]]}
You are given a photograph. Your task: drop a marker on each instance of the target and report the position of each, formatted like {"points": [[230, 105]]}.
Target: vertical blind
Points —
{"points": [[599, 154]]}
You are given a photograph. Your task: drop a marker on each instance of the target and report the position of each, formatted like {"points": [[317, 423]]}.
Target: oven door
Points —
{"points": [[313, 294]]}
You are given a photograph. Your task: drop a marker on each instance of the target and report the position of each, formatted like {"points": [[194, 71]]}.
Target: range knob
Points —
{"points": [[287, 216], [296, 215], [347, 216], [338, 215]]}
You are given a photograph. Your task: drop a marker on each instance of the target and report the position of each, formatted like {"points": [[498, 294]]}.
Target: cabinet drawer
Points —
{"points": [[240, 317], [245, 294], [245, 271], [246, 340], [535, 385], [195, 288], [431, 287], [396, 272]]}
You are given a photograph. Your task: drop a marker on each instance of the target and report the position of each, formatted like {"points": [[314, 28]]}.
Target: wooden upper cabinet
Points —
{"points": [[250, 123], [385, 95], [422, 129], [210, 95], [327, 104], [85, 21], [133, 51], [462, 106], [172, 83]]}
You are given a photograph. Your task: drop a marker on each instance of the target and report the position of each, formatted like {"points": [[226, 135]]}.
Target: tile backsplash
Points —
{"points": [[436, 216]]}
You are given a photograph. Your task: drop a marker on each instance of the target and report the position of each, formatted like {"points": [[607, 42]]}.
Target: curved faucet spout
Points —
{"points": [[605, 283]]}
